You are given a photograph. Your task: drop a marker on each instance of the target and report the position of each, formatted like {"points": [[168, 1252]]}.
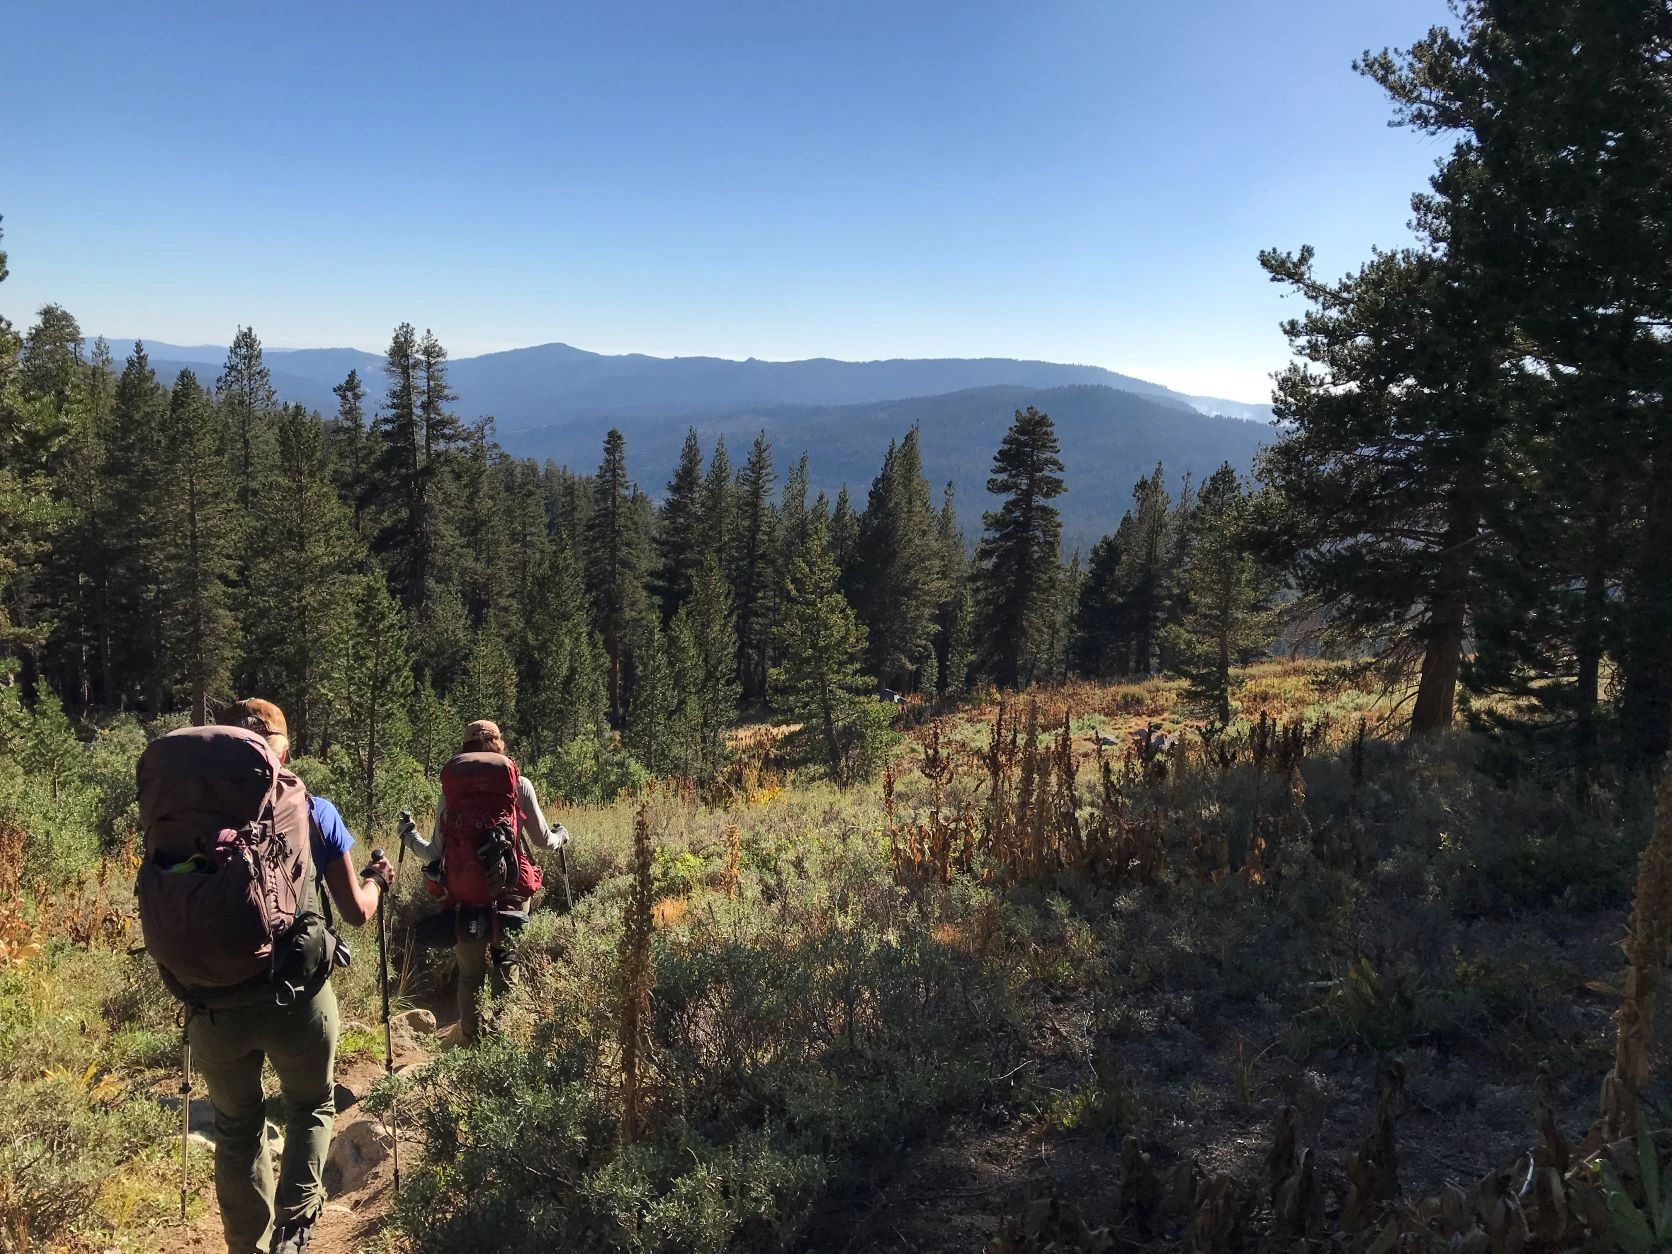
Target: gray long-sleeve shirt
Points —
{"points": [[531, 822]]}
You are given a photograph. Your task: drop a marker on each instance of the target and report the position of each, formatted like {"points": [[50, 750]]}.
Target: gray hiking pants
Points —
{"points": [[228, 1046]]}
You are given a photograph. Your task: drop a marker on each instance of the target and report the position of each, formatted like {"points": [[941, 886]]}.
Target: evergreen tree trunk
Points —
{"points": [[1447, 627], [1646, 661]]}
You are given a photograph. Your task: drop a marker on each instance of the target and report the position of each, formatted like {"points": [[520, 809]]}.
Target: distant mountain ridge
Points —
{"points": [[525, 387], [555, 402]]}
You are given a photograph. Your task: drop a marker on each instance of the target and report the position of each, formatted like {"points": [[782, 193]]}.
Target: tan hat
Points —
{"points": [[259, 716], [483, 733]]}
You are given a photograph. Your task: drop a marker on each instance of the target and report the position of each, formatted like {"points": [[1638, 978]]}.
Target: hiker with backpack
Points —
{"points": [[235, 889], [479, 860]]}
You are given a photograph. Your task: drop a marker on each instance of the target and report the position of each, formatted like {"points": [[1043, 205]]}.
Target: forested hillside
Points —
{"points": [[1109, 438], [386, 568], [551, 402]]}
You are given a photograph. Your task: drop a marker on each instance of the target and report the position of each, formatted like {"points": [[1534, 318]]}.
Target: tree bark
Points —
{"points": [[1448, 620], [1646, 661]]}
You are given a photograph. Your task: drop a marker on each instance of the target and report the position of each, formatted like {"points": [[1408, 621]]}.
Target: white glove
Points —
{"points": [[557, 837], [407, 832]]}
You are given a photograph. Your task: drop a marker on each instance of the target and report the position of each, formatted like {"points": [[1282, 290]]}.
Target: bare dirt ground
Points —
{"points": [[352, 1220]]}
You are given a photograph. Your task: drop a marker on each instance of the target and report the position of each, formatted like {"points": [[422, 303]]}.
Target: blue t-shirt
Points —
{"points": [[331, 837]]}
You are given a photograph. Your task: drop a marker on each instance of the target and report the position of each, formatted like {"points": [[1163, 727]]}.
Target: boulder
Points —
{"points": [[357, 1149], [414, 1022]]}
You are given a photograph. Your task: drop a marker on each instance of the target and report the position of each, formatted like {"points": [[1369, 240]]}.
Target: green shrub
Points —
{"points": [[589, 770], [814, 1022], [57, 1147]]}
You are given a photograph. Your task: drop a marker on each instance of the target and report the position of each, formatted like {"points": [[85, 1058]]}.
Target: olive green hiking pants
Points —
{"points": [[228, 1047], [478, 960]]}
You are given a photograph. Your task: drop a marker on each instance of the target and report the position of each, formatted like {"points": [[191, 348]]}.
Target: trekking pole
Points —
{"points": [[388, 1038], [185, 1120], [563, 866], [400, 854]]}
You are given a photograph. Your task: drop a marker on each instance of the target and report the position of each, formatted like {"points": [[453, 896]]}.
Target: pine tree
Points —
{"points": [[754, 569], [960, 640], [843, 538], [351, 447], [376, 698], [719, 503], [900, 578], [653, 701], [1060, 629], [819, 682], [134, 471], [488, 686], [528, 528], [954, 628], [397, 485], [70, 400], [1017, 559], [484, 567], [679, 535], [418, 442], [571, 509], [246, 395], [194, 525], [563, 676], [1396, 419], [30, 432], [1554, 194], [1145, 580], [51, 363], [615, 559], [1183, 530], [794, 518], [712, 628], [434, 723], [1099, 638], [690, 754], [1230, 619], [301, 580]]}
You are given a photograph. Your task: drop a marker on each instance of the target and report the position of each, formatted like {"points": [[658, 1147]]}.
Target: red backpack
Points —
{"points": [[228, 865], [482, 852]]}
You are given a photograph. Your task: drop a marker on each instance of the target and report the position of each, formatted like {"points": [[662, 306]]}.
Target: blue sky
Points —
{"points": [[1073, 180]]}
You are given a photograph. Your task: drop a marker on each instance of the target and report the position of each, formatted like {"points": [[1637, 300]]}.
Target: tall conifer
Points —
{"points": [[680, 540], [1018, 557], [194, 521], [615, 559]]}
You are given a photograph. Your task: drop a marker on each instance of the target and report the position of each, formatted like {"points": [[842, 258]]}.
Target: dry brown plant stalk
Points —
{"points": [[635, 980], [731, 878]]}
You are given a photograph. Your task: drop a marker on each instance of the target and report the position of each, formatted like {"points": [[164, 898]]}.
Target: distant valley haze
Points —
{"points": [[555, 401]]}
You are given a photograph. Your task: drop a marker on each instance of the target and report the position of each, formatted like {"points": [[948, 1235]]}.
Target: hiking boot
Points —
{"points": [[292, 1240]]}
